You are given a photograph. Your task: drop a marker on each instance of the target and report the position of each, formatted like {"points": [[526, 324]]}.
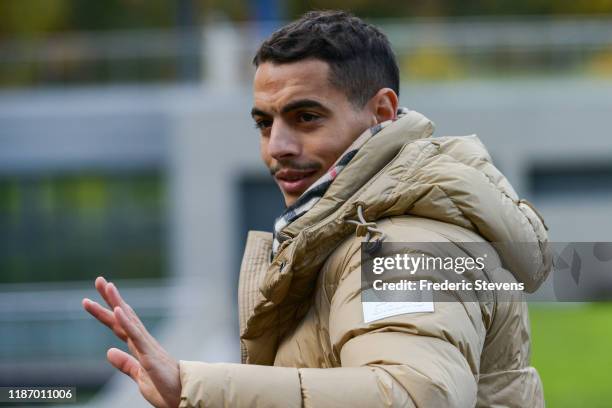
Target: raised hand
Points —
{"points": [[149, 365]]}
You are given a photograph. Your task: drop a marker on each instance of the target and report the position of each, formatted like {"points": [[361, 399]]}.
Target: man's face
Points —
{"points": [[305, 122]]}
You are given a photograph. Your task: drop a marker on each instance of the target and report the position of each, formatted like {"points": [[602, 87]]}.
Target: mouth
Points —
{"points": [[295, 181]]}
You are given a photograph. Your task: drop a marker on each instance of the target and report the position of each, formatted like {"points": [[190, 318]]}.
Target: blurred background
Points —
{"points": [[127, 150]]}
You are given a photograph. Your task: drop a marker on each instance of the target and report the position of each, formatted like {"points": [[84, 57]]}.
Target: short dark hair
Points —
{"points": [[359, 55]]}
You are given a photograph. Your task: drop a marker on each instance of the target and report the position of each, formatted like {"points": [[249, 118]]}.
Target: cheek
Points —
{"points": [[335, 143], [325, 151]]}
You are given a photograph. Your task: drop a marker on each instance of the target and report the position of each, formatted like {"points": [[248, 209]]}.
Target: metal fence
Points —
{"points": [[426, 49], [74, 344]]}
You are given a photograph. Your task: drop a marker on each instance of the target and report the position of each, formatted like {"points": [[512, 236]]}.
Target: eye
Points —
{"points": [[307, 117], [263, 124]]}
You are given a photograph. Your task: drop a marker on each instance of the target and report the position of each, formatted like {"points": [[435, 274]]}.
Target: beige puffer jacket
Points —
{"points": [[304, 339]]}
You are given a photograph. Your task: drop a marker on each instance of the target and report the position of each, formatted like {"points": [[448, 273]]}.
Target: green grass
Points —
{"points": [[572, 350]]}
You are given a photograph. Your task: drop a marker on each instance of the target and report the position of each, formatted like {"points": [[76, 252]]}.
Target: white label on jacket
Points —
{"points": [[379, 310]]}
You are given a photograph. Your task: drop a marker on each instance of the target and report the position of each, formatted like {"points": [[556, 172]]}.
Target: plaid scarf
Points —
{"points": [[314, 193]]}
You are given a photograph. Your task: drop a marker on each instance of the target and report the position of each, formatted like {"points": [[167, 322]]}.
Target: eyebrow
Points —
{"points": [[299, 104]]}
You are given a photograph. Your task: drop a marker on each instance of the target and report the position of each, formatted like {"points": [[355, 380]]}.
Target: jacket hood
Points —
{"points": [[403, 170]]}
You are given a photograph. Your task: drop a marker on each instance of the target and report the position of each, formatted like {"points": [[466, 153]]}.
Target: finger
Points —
{"points": [[135, 352], [101, 313], [101, 285], [140, 340], [104, 316], [147, 341], [115, 297], [123, 362]]}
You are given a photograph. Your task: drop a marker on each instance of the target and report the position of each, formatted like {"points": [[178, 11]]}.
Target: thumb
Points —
{"points": [[124, 362]]}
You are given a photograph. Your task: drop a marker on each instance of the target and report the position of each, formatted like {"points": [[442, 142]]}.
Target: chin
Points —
{"points": [[290, 198], [289, 201]]}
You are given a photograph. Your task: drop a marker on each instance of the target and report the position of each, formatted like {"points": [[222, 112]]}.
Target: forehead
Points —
{"points": [[278, 84]]}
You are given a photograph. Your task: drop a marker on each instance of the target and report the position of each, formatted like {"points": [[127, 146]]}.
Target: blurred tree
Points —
{"points": [[451, 8], [56, 227], [237, 10], [122, 14], [27, 18], [19, 18], [32, 17]]}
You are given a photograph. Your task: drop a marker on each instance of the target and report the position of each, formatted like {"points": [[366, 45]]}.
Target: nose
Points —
{"points": [[283, 143]]}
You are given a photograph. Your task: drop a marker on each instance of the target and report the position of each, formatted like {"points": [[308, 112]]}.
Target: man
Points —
{"points": [[351, 163]]}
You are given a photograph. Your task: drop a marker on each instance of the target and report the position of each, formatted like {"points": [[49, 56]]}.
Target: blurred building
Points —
{"points": [[155, 184]]}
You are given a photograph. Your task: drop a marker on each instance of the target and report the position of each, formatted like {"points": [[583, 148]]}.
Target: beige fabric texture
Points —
{"points": [[303, 335]]}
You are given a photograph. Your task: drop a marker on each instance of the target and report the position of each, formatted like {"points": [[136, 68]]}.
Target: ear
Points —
{"points": [[384, 105]]}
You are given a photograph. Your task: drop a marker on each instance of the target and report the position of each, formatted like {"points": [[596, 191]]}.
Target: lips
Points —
{"points": [[295, 181]]}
